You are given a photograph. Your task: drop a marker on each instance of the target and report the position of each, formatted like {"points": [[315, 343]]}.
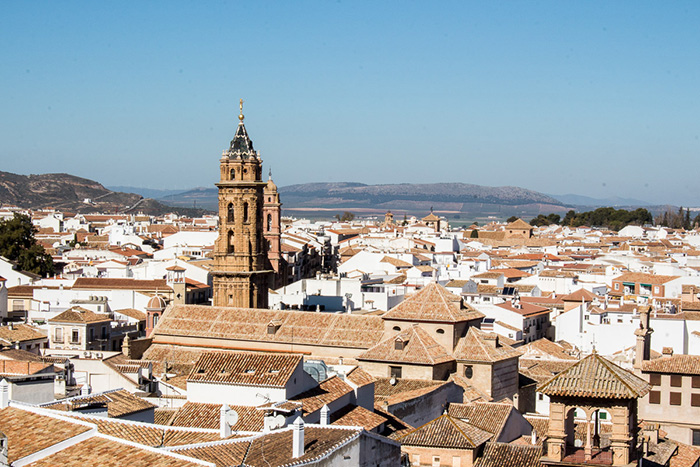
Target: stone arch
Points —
{"points": [[230, 215], [230, 239], [245, 212], [269, 222]]}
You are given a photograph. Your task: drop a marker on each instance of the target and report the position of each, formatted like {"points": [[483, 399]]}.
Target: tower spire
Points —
{"points": [[240, 106]]}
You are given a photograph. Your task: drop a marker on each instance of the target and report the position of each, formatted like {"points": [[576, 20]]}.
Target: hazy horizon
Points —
{"points": [[596, 99]]}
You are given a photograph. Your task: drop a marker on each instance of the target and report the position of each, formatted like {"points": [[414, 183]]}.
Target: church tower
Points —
{"points": [[241, 274], [272, 214]]}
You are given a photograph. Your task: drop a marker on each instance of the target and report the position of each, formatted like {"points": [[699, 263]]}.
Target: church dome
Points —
{"points": [[156, 303]]}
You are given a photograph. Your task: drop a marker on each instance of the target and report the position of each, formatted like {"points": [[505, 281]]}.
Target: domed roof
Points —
{"points": [[156, 303]]}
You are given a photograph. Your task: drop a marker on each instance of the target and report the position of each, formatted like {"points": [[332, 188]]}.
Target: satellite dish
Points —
{"points": [[278, 421], [392, 381], [231, 418]]}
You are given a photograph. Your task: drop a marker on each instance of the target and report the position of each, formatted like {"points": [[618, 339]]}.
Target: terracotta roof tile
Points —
{"points": [[480, 346], [354, 415], [28, 432], [298, 327], [77, 314], [246, 369], [326, 392], [199, 415], [677, 364], [119, 403], [433, 303], [446, 432], [510, 455], [595, 376], [416, 347], [488, 416], [20, 333]]}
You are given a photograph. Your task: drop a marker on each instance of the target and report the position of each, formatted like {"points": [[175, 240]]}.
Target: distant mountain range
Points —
{"points": [[74, 194], [317, 200], [453, 199]]}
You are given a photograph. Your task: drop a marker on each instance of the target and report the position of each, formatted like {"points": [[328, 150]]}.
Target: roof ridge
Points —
{"points": [[547, 383], [605, 364], [452, 420]]}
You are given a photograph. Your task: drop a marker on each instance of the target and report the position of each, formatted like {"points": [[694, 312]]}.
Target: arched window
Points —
{"points": [[440, 331], [269, 222], [230, 212], [231, 248], [245, 212], [233, 174], [396, 328]]}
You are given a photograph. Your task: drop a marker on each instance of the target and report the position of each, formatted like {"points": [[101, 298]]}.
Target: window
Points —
{"points": [[396, 328], [440, 331], [540, 397], [269, 222], [696, 382], [395, 371], [468, 371], [245, 212], [695, 400], [75, 336], [655, 397], [674, 398], [230, 216], [696, 437], [655, 379], [398, 344], [92, 334], [676, 381], [617, 286], [231, 247], [436, 461], [58, 335]]}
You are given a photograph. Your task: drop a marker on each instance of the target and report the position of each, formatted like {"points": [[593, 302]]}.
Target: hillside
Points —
{"points": [[449, 198], [75, 194]]}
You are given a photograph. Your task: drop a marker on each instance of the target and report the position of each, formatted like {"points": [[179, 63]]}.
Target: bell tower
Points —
{"points": [[241, 275], [271, 219]]}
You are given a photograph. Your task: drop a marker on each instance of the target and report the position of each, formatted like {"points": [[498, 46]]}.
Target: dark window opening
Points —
{"points": [[395, 371], [230, 216], [245, 212]]}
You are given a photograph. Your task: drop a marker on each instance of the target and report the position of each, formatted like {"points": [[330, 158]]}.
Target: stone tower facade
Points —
{"points": [[241, 275], [272, 213]]}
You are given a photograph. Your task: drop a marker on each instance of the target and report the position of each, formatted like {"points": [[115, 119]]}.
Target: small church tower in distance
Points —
{"points": [[241, 273]]}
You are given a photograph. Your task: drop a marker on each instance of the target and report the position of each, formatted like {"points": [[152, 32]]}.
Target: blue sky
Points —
{"points": [[594, 98]]}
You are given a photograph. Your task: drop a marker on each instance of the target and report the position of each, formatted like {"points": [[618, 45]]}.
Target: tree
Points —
{"points": [[17, 243], [512, 219], [474, 234], [345, 217]]}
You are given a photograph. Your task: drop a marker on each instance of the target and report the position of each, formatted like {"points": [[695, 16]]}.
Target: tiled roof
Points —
{"points": [[433, 303], [519, 224], [542, 370], [643, 278], [247, 369], [510, 455], [326, 392], [28, 433], [540, 423], [128, 284], [199, 415], [678, 364], [20, 333], [547, 348], [107, 453], [581, 295], [149, 434], [687, 456], [396, 262], [274, 449], [478, 346], [597, 377], [119, 403], [523, 309], [132, 313], [446, 432], [418, 348], [360, 377], [354, 415], [77, 314], [488, 416], [297, 327]]}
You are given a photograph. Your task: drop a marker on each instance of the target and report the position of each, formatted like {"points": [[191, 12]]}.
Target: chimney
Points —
{"points": [[533, 437], [85, 390], [492, 340], [224, 427], [297, 438], [325, 415], [4, 393], [667, 351]]}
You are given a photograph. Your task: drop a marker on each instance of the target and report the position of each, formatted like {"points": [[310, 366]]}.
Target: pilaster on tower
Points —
{"points": [[241, 275]]}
